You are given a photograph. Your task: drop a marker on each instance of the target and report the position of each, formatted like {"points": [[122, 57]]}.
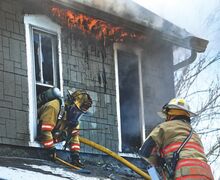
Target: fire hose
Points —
{"points": [[116, 156]]}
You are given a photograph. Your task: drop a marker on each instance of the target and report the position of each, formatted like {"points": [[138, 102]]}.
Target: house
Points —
{"points": [[121, 53]]}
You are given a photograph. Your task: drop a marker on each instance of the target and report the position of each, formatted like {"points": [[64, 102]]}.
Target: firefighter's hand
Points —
{"points": [[59, 136], [52, 153]]}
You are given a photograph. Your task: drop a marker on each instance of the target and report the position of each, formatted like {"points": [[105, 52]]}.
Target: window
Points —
{"points": [[46, 62], [129, 91], [129, 99], [43, 46]]}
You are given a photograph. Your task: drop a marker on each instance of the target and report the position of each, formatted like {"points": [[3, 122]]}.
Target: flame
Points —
{"points": [[92, 26]]}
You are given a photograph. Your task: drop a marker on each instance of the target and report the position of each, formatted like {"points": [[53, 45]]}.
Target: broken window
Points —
{"points": [[129, 96]]}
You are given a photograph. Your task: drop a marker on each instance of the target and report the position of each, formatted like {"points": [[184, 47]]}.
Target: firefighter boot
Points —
{"points": [[75, 160], [51, 153]]}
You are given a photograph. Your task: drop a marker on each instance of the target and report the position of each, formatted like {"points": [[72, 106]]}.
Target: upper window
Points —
{"points": [[44, 61], [45, 57]]}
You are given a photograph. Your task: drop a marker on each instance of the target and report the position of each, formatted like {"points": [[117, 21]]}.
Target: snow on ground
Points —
{"points": [[12, 173]]}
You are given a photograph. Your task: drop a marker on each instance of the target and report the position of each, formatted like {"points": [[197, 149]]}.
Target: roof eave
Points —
{"points": [[189, 42]]}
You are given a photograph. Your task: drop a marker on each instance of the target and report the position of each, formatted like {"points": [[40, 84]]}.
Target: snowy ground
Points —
{"points": [[33, 163], [11, 173], [15, 168]]}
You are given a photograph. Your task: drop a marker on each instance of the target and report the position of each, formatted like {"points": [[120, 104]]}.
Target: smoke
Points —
{"points": [[114, 6], [129, 10], [187, 14], [124, 9], [132, 11]]}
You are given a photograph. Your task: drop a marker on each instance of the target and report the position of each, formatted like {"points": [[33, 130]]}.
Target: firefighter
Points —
{"points": [[54, 129], [175, 147]]}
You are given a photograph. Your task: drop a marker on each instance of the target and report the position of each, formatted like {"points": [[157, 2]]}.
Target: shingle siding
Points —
{"points": [[83, 68], [80, 71], [13, 76]]}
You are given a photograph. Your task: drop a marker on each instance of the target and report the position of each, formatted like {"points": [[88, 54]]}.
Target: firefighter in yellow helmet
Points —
{"points": [[175, 147], [55, 126]]}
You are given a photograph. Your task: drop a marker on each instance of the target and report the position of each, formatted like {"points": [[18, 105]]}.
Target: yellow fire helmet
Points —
{"points": [[81, 99], [176, 106]]}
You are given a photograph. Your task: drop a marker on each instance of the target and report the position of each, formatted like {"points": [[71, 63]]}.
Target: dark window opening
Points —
{"points": [[129, 92], [47, 60], [36, 57]]}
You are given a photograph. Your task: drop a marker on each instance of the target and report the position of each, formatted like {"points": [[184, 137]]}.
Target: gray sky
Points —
{"points": [[188, 14]]}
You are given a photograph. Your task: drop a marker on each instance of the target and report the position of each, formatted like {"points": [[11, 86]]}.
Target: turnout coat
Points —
{"points": [[48, 117], [167, 137]]}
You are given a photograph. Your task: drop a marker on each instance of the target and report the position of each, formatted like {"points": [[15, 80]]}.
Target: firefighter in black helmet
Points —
{"points": [[54, 128]]}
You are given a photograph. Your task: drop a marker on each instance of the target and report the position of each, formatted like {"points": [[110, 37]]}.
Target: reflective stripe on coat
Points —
{"points": [[48, 114], [168, 137]]}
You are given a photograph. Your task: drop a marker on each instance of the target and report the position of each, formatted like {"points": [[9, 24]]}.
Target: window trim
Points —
{"points": [[138, 52], [42, 23]]}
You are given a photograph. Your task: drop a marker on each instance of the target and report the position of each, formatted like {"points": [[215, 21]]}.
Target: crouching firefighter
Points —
{"points": [[175, 147], [59, 121]]}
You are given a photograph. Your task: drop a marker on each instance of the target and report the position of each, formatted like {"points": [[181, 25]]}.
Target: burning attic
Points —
{"points": [[123, 58]]}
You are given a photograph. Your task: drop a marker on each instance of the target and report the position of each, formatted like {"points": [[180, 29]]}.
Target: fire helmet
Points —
{"points": [[176, 106], [80, 98]]}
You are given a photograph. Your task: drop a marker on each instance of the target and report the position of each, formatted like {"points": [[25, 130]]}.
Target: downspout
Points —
{"points": [[187, 61]]}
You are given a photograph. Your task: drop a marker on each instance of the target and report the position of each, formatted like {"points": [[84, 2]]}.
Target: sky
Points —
{"points": [[194, 17], [188, 14]]}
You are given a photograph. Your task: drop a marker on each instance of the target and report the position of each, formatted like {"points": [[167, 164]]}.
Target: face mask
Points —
{"points": [[73, 115]]}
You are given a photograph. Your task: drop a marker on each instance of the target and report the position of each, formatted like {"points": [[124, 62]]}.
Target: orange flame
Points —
{"points": [[92, 26]]}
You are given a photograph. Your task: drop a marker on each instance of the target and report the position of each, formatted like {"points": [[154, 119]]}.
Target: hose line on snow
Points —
{"points": [[116, 156]]}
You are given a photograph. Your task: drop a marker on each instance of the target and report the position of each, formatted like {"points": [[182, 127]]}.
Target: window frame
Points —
{"points": [[44, 24], [138, 52]]}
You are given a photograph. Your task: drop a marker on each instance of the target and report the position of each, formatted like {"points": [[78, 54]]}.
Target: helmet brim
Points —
{"points": [[192, 114]]}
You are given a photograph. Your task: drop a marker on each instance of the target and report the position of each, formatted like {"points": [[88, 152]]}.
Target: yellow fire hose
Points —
{"points": [[66, 163], [116, 156], [74, 168]]}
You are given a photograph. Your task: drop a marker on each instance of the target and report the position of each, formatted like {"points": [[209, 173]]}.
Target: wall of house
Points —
{"points": [[13, 75], [159, 88], [83, 68]]}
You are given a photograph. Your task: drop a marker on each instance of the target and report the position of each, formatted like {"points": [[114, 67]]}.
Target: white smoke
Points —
{"points": [[123, 8]]}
